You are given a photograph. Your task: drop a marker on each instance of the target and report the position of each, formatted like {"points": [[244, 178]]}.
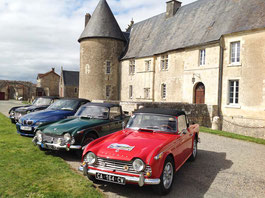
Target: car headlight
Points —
{"points": [[39, 136], [67, 137], [12, 113], [138, 165], [90, 158]]}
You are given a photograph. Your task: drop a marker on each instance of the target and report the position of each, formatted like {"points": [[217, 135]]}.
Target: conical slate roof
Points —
{"points": [[102, 24]]}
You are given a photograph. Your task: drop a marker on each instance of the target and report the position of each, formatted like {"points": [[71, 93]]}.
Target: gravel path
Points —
{"points": [[6, 105], [224, 168]]}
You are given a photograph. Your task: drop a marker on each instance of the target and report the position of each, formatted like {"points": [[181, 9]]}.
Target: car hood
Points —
{"points": [[30, 108], [47, 115], [72, 125], [128, 144]]}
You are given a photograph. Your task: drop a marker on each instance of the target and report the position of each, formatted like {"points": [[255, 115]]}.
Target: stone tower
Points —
{"points": [[101, 44]]}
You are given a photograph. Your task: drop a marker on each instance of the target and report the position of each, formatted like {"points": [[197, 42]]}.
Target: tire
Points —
{"points": [[194, 150], [89, 138], [166, 178]]}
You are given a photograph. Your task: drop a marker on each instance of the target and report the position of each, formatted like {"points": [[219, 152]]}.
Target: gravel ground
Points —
{"points": [[6, 105], [224, 168]]}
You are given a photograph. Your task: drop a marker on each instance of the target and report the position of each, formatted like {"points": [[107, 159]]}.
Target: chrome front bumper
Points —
{"points": [[141, 180], [57, 146]]}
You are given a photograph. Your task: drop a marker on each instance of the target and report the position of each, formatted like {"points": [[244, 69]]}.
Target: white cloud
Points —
{"points": [[36, 35]]}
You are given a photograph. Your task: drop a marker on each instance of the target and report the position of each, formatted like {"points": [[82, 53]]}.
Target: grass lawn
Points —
{"points": [[27, 172], [232, 135]]}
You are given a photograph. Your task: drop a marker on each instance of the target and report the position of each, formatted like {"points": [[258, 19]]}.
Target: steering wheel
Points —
{"points": [[166, 126]]}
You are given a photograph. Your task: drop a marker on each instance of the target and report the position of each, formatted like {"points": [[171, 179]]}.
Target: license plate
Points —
{"points": [[25, 128], [110, 178]]}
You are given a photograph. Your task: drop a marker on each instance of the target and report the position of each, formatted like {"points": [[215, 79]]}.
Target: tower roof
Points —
{"points": [[102, 24]]}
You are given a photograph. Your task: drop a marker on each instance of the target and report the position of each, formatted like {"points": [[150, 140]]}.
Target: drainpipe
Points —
{"points": [[220, 83]]}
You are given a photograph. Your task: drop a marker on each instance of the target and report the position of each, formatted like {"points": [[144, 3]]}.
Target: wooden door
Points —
{"points": [[199, 93]]}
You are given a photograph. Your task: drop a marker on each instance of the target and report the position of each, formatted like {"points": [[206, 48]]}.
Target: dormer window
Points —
{"points": [[202, 56], [235, 52], [132, 67], [164, 62]]}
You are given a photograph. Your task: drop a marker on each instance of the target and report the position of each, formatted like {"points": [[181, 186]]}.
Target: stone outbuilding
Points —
{"points": [[69, 84], [48, 84]]}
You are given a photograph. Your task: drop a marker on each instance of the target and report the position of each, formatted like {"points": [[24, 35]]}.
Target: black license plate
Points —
{"points": [[110, 178]]}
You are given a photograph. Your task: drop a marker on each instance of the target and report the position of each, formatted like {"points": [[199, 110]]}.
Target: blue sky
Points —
{"points": [[36, 35]]}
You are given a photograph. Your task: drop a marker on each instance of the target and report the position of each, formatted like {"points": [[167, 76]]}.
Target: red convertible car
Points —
{"points": [[152, 147]]}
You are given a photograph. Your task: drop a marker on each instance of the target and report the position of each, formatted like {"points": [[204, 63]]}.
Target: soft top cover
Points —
{"points": [[162, 111]]}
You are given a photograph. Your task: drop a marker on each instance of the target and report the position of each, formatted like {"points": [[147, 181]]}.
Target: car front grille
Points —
{"points": [[119, 166], [52, 138]]}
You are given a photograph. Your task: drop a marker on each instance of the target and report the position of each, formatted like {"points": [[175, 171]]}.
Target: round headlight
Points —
{"points": [[67, 137], [138, 165], [39, 136], [12, 113], [90, 158]]}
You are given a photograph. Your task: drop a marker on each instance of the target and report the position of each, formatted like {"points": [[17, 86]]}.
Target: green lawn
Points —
{"points": [[233, 135], [27, 172]]}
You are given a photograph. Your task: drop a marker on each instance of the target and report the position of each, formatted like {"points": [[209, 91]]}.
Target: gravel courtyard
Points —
{"points": [[224, 168]]}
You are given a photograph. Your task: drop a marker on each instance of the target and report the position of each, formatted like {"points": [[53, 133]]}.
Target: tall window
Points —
{"points": [[108, 67], [132, 67], [163, 91], [108, 89], [146, 93], [202, 56], [148, 65], [164, 62], [130, 91], [233, 91], [76, 89], [235, 52]]}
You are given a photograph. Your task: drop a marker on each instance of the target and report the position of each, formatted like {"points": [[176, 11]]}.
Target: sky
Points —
{"points": [[36, 35]]}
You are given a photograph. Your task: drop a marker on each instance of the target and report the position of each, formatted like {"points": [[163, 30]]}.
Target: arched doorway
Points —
{"points": [[199, 93]]}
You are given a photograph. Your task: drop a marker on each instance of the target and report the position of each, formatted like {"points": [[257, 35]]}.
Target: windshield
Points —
{"points": [[42, 101], [161, 123], [64, 105], [93, 112]]}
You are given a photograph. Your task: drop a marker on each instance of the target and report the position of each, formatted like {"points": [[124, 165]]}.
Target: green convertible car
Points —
{"points": [[91, 121]]}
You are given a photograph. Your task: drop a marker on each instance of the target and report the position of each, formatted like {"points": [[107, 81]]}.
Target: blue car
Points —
{"points": [[60, 109]]}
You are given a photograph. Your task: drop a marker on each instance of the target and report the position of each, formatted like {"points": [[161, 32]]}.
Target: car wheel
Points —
{"points": [[194, 150], [166, 178], [89, 138]]}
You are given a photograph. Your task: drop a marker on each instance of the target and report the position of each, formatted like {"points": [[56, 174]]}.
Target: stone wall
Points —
{"points": [[50, 83]]}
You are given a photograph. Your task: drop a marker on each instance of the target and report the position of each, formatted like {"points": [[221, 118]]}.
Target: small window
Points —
{"points": [[146, 93], [108, 66], [148, 65], [164, 62], [108, 89], [76, 89], [233, 92], [235, 52], [130, 91], [132, 67], [202, 56], [182, 123], [87, 69], [163, 91]]}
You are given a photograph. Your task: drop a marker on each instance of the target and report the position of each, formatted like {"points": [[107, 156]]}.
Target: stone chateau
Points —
{"points": [[209, 52]]}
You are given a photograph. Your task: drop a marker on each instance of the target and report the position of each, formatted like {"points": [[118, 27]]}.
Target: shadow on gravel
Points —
{"points": [[193, 180]]}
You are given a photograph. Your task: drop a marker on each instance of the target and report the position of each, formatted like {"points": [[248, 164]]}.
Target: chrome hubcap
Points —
{"points": [[168, 175], [194, 152]]}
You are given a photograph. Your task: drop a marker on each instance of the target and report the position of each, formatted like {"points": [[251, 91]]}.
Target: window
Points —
{"points": [[233, 91], [163, 91], [146, 93], [148, 65], [76, 89], [164, 62], [108, 89], [130, 91], [132, 67], [235, 52], [202, 56], [108, 67]]}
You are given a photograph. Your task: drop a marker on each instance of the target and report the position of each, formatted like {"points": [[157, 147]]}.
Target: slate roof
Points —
{"points": [[102, 24], [201, 22], [71, 78]]}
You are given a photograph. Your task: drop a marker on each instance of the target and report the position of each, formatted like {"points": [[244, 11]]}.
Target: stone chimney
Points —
{"points": [[172, 7], [87, 18], [53, 69]]}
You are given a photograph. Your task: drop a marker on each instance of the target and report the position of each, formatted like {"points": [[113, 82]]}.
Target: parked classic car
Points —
{"points": [[59, 110], [155, 144], [91, 121], [38, 104]]}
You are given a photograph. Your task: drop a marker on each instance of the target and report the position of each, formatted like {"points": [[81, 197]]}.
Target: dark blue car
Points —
{"points": [[60, 109]]}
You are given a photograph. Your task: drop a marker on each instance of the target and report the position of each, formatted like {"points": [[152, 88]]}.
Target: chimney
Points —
{"points": [[172, 7], [87, 18], [53, 69]]}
